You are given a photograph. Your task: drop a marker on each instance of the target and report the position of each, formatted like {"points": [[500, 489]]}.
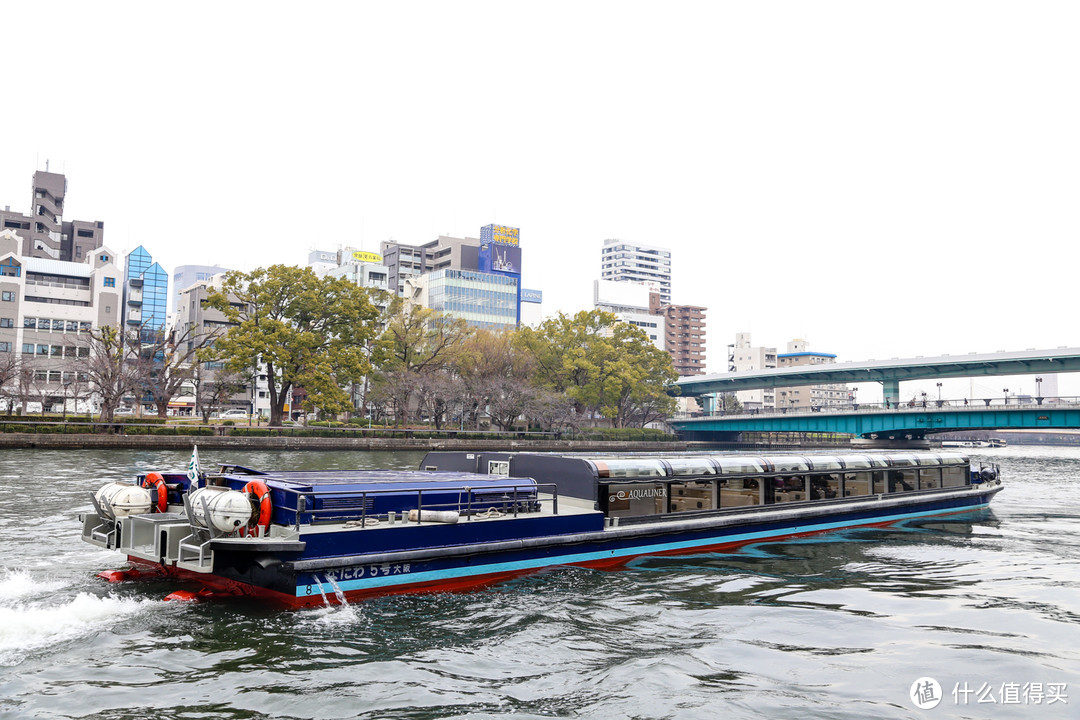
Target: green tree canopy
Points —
{"points": [[606, 367], [307, 330]]}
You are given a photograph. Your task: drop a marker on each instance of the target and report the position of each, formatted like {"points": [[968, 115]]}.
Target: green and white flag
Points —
{"points": [[193, 467]]}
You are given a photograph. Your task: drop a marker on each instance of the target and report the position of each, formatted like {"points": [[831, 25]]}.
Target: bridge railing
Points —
{"points": [[1012, 402]]}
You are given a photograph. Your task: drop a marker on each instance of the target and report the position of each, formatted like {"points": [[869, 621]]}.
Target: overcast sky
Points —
{"points": [[881, 179]]}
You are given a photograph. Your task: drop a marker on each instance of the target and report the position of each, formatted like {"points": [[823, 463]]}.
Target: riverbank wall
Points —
{"points": [[181, 442]]}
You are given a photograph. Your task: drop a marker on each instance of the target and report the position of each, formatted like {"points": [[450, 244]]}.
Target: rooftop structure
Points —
{"points": [[44, 232]]}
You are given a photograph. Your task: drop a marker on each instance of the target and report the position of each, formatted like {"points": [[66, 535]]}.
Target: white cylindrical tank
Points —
{"points": [[228, 510], [119, 499], [440, 516]]}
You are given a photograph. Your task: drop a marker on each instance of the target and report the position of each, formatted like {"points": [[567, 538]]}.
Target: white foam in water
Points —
{"points": [[17, 584], [31, 626]]}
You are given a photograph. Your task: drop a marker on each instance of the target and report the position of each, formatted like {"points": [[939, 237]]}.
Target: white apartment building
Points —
{"points": [[48, 308], [622, 261]]}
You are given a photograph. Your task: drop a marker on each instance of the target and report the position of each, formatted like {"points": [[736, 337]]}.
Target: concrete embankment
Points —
{"points": [[180, 442]]}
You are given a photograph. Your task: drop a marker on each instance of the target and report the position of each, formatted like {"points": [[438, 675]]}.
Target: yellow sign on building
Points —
{"points": [[505, 235], [361, 256]]}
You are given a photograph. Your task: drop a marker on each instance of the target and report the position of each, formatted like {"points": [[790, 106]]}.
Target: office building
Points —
{"points": [[623, 261], [629, 302], [184, 276], [47, 311], [146, 292], [44, 233], [471, 278], [808, 396]]}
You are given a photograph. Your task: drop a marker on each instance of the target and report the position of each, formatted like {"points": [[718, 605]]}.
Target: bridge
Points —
{"points": [[876, 422], [890, 373], [892, 419]]}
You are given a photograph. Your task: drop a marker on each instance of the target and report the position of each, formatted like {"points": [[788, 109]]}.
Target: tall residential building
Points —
{"points": [[808, 395], [630, 303], [47, 310], [684, 336], [146, 292], [622, 261], [44, 232], [744, 357], [184, 276]]}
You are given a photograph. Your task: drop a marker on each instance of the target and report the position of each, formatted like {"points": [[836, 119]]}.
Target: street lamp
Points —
{"points": [[1006, 391], [939, 393], [1038, 392]]}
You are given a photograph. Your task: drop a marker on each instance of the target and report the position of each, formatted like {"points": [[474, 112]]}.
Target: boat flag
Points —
{"points": [[193, 470]]}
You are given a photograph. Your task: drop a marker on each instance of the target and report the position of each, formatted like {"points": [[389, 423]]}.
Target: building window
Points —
{"points": [[104, 258], [7, 323], [5, 347], [110, 282], [8, 296], [42, 349], [28, 348]]}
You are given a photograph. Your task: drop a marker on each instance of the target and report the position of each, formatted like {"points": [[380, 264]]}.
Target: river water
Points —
{"points": [[837, 626]]}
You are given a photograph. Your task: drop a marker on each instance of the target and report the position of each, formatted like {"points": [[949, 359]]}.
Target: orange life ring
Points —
{"points": [[258, 492], [154, 482]]}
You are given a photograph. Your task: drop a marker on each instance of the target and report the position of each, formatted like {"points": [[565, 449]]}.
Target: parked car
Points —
{"points": [[234, 415]]}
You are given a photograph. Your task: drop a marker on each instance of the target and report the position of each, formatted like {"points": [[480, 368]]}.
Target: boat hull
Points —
{"points": [[312, 581]]}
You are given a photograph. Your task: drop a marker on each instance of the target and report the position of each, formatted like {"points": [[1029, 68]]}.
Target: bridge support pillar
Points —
{"points": [[708, 404], [891, 391]]}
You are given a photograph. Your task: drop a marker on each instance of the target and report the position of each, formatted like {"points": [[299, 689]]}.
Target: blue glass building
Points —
{"points": [[146, 292]]}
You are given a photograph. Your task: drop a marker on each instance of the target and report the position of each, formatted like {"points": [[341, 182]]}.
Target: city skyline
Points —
{"points": [[812, 175]]}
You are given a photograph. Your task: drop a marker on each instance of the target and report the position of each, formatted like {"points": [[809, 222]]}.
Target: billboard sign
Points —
{"points": [[532, 296], [369, 257], [500, 234], [500, 259]]}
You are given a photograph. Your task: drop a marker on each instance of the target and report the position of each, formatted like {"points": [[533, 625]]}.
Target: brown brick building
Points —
{"points": [[685, 335]]}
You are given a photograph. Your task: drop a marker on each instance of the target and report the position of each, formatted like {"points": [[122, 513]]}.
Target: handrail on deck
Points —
{"points": [[519, 493]]}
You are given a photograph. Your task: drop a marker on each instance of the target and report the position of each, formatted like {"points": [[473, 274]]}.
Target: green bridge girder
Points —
{"points": [[918, 422]]}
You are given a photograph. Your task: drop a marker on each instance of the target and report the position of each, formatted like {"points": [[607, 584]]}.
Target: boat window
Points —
{"points": [[788, 463], [739, 465], [856, 484], [739, 492], [633, 499], [954, 476], [787, 488], [824, 487], [878, 484], [902, 460], [628, 467], [856, 462], [878, 460], [826, 463], [901, 480], [927, 459], [692, 496], [929, 478], [691, 466], [953, 459]]}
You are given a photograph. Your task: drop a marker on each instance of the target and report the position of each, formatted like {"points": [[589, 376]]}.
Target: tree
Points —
{"points": [[110, 366], [9, 376], [169, 361], [213, 388], [416, 341], [304, 329], [607, 368]]}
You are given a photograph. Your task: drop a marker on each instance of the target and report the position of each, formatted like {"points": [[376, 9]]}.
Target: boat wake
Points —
{"points": [[27, 625]]}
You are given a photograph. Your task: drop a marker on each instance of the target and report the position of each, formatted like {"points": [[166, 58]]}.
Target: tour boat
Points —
{"points": [[470, 519]]}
